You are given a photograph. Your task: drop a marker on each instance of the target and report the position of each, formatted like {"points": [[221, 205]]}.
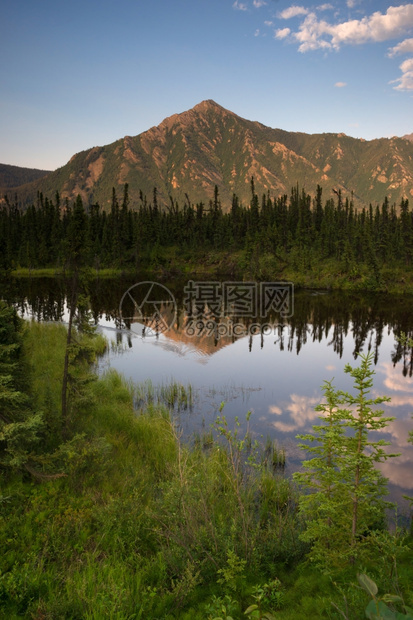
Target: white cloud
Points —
{"points": [[268, 23], [309, 34], [314, 33], [407, 65], [240, 6], [282, 33], [293, 11], [404, 47], [257, 33], [259, 3], [319, 34], [405, 82]]}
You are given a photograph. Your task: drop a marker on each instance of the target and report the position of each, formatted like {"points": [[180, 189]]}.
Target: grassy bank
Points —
{"points": [[127, 522], [53, 272], [298, 268]]}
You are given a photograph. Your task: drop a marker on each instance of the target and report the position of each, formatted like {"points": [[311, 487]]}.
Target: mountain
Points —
{"points": [[408, 136], [189, 153], [13, 176]]}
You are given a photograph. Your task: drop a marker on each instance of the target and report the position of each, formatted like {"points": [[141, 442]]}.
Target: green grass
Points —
{"points": [[320, 273], [52, 272], [142, 526]]}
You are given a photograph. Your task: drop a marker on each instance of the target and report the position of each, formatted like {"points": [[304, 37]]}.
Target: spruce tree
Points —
{"points": [[20, 426], [344, 500]]}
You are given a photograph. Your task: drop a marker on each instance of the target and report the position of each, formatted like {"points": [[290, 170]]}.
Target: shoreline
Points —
{"points": [[392, 281]]}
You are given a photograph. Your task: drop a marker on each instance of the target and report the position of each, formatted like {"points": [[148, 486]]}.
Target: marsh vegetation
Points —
{"points": [[111, 515]]}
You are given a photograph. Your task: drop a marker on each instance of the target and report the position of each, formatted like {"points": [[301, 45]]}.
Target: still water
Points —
{"points": [[275, 372]]}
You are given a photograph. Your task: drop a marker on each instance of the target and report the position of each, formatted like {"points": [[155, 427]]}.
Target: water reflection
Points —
{"points": [[276, 375], [299, 412], [318, 317]]}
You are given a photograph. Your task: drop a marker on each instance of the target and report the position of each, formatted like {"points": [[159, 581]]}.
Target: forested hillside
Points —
{"points": [[268, 237], [13, 176]]}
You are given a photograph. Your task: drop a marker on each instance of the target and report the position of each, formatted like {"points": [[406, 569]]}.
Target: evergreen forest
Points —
{"points": [[314, 241]]}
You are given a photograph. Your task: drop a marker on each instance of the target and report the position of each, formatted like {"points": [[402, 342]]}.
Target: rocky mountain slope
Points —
{"points": [[189, 153]]}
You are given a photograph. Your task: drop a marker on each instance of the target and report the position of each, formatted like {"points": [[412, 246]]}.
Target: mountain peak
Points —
{"points": [[208, 104], [190, 153], [192, 115]]}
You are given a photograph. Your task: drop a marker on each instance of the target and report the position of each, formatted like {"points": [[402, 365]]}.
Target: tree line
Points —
{"points": [[298, 227]]}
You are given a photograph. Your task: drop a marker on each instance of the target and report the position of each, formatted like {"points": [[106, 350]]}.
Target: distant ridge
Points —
{"points": [[189, 153], [13, 176]]}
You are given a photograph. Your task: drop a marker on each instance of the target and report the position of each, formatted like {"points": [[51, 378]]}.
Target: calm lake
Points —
{"points": [[272, 365]]}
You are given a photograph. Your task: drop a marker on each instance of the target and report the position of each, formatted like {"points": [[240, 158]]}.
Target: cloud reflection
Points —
{"points": [[275, 409], [394, 380], [299, 413]]}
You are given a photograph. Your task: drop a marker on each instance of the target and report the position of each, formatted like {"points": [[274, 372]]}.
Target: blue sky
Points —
{"points": [[83, 73]]}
